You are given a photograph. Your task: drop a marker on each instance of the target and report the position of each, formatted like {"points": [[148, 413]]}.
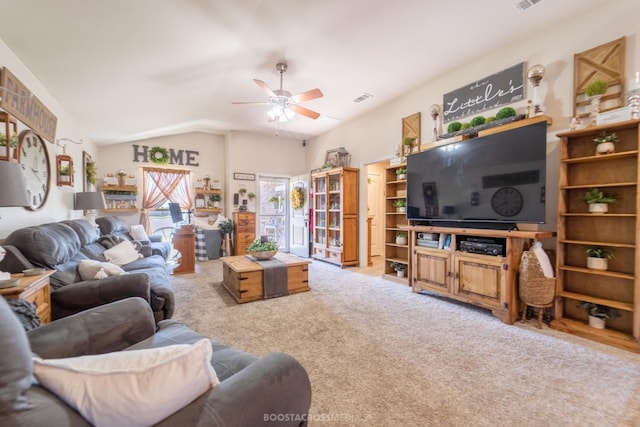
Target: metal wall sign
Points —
{"points": [[18, 101], [502, 88]]}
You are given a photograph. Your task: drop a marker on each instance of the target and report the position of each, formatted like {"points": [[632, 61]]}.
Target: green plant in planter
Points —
{"points": [[505, 113], [215, 198], [13, 140], [490, 119], [242, 191], [596, 87], [600, 311], [92, 173], [596, 195], [65, 171], [454, 127], [477, 121], [226, 227], [259, 246], [401, 234], [465, 126], [599, 252], [400, 203], [398, 266], [606, 137], [251, 196], [401, 171], [408, 140], [274, 199]]}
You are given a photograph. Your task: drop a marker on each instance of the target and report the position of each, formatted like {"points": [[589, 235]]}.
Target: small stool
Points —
{"points": [[535, 289]]}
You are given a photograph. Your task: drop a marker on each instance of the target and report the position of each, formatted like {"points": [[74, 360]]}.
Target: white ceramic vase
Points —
{"points": [[400, 273], [598, 208], [597, 322], [594, 263], [401, 240], [401, 177], [605, 148], [401, 209]]}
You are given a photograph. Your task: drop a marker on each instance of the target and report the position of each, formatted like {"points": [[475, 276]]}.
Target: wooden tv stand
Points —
{"points": [[488, 281]]}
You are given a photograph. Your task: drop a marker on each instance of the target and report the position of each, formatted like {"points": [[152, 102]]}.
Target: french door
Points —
{"points": [[273, 209]]}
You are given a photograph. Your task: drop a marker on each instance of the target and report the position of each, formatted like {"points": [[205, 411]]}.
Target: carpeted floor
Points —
{"points": [[379, 355]]}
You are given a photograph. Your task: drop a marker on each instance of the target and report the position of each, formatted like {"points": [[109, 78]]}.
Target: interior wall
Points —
{"points": [[210, 160], [59, 202], [373, 136]]}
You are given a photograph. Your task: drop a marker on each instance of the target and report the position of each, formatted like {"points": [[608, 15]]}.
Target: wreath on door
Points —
{"points": [[296, 197]]}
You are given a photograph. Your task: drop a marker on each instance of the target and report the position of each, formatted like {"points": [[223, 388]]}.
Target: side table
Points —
{"points": [[184, 241], [34, 289]]}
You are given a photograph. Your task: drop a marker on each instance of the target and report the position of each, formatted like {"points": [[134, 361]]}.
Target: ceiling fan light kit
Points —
{"points": [[284, 104]]}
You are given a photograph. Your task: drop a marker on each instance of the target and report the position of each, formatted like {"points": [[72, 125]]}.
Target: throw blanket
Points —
{"points": [[274, 278], [25, 312]]}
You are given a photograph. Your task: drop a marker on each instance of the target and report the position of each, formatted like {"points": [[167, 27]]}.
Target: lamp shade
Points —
{"points": [[14, 186], [89, 200]]}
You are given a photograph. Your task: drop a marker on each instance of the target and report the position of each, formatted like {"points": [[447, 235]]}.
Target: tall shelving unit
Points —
{"points": [[335, 220], [395, 189], [618, 230]]}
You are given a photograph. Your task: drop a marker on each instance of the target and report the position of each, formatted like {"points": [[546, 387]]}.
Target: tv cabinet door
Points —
{"points": [[432, 271], [479, 278]]}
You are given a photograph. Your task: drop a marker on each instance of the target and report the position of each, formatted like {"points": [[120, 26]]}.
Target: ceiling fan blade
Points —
{"points": [[307, 96], [305, 112], [252, 103], [264, 87]]}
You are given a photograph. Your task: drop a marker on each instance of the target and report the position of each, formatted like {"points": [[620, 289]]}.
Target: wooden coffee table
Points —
{"points": [[242, 276]]}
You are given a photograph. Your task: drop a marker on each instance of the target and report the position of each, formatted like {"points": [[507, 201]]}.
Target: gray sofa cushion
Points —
{"points": [[46, 245]]}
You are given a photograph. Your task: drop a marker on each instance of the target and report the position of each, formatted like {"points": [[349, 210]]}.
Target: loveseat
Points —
{"points": [[114, 225], [272, 390], [63, 246]]}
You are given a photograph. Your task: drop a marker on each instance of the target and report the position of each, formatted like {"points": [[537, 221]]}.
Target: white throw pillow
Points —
{"points": [[88, 268], [138, 233], [122, 253], [130, 388]]}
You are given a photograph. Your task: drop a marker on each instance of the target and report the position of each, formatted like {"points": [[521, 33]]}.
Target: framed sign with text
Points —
{"points": [[502, 88], [244, 176]]}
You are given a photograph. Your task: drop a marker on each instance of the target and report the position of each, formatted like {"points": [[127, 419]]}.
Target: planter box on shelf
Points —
{"points": [[594, 263]]}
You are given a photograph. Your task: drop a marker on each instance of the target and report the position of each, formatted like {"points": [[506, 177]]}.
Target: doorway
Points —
{"points": [[299, 217], [273, 210], [375, 203]]}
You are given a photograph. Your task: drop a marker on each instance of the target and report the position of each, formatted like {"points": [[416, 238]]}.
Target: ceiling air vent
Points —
{"points": [[523, 5], [363, 97]]}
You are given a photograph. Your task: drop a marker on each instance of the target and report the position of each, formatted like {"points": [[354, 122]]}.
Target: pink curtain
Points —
{"points": [[160, 185]]}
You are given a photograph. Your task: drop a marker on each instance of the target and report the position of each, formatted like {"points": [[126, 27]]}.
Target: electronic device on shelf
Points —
{"points": [[484, 246], [491, 181]]}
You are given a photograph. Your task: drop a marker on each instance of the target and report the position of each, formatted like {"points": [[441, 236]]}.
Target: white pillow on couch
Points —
{"points": [[138, 233], [88, 268], [130, 388], [123, 253]]}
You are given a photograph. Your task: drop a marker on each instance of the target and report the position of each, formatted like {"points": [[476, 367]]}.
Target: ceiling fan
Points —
{"points": [[284, 104]]}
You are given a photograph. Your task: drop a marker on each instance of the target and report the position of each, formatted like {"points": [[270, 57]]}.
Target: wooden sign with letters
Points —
{"points": [[18, 101]]}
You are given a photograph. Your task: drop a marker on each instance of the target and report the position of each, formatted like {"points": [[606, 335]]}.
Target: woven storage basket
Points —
{"points": [[535, 288]]}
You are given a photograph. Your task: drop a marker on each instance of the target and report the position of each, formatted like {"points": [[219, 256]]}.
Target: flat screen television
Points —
{"points": [[492, 181]]}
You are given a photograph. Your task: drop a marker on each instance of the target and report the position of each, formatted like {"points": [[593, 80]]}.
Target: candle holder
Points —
{"points": [[535, 75], [434, 110]]}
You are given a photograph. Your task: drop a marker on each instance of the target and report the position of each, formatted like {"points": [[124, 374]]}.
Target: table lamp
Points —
{"points": [[13, 194], [89, 201]]}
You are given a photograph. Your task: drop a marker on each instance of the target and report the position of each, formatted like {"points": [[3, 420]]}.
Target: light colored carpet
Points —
{"points": [[379, 355]]}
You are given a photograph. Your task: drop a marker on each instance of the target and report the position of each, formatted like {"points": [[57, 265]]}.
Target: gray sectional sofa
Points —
{"points": [[63, 245]]}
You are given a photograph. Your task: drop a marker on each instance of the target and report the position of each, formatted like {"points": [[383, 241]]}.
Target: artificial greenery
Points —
{"points": [[601, 311], [596, 195], [92, 173], [401, 234], [465, 126], [65, 171], [454, 127], [159, 155], [477, 121], [596, 87], [13, 142], [505, 113], [251, 196], [226, 227], [274, 199], [599, 252], [215, 198], [400, 203], [259, 246], [242, 191], [408, 140], [605, 137], [398, 266], [401, 171], [490, 119]]}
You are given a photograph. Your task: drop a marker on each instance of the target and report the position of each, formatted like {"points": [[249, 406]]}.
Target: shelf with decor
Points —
{"points": [[396, 249], [207, 201], [120, 198], [611, 290]]}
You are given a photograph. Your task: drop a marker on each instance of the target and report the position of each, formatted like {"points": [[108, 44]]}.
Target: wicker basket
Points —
{"points": [[535, 288]]}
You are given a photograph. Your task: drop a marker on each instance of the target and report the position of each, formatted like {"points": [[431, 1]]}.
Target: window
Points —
{"points": [[161, 186]]}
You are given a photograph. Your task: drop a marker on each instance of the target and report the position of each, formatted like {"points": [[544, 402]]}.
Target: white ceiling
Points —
{"points": [[129, 69]]}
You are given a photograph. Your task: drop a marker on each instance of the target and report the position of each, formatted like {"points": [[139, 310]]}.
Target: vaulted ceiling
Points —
{"points": [[133, 69]]}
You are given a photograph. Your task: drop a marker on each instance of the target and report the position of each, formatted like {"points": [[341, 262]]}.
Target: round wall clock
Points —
{"points": [[33, 156], [507, 201]]}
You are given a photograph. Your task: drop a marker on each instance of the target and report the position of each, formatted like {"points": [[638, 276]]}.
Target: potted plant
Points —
{"points": [[6, 148], [598, 257], [605, 143], [599, 314], [275, 200], [401, 238], [594, 91], [400, 205], [401, 173], [215, 200], [92, 173], [251, 196], [399, 268], [242, 191], [598, 200], [65, 172]]}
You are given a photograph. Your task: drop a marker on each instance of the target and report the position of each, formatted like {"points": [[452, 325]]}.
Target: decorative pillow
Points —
{"points": [[138, 233], [89, 268], [206, 223], [122, 253], [15, 363], [132, 388]]}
